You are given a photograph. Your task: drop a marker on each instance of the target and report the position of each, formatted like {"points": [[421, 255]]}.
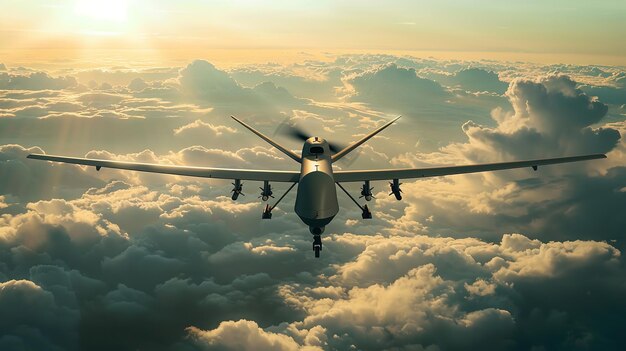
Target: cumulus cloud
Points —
{"points": [[477, 79], [35, 81], [169, 263], [411, 304], [549, 117], [202, 129], [241, 335], [201, 79], [125, 76], [313, 80], [615, 93], [394, 87], [549, 114], [34, 319], [137, 84], [29, 180]]}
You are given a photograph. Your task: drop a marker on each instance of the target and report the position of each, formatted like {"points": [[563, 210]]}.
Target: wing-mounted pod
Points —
{"points": [[395, 189], [237, 189], [366, 191], [266, 191]]}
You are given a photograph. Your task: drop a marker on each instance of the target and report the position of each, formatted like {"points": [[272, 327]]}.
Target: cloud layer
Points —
{"points": [[516, 259]]}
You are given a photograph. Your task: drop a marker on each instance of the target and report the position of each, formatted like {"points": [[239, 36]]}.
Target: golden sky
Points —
{"points": [[91, 30]]}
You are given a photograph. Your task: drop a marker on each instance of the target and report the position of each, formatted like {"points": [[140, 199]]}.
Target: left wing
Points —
{"points": [[270, 141], [203, 172], [388, 174], [336, 157]]}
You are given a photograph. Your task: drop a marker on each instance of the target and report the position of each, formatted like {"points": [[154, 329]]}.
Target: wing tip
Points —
{"points": [[596, 156]]}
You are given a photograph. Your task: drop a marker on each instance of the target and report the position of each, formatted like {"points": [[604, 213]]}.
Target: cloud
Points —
{"points": [[201, 79], [176, 242], [125, 76], [33, 318], [29, 179], [157, 261], [397, 307], [312, 80], [100, 100], [548, 114], [394, 87], [270, 91], [610, 94], [202, 129], [518, 259], [550, 117], [35, 81], [201, 82], [477, 79], [137, 84], [241, 335]]}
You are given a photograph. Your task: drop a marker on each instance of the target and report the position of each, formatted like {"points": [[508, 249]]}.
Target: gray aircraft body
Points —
{"points": [[316, 199]]}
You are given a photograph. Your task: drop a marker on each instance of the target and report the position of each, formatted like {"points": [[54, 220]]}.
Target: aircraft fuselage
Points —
{"points": [[316, 199]]}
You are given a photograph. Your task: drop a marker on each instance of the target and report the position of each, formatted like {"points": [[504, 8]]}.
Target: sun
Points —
{"points": [[103, 10]]}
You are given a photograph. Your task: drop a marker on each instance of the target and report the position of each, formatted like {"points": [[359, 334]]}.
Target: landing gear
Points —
{"points": [[317, 244], [365, 211], [267, 212]]}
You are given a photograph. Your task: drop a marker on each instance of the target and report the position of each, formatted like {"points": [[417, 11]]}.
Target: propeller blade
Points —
{"points": [[292, 131], [335, 147], [350, 158]]}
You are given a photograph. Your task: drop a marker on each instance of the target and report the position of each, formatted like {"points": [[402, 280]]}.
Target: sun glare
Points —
{"points": [[105, 10]]}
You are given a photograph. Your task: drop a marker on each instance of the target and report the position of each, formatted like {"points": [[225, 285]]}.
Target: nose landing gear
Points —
{"points": [[317, 244], [317, 239]]}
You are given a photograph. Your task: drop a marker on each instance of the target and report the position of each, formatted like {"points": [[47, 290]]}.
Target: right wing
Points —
{"points": [[388, 174], [203, 172]]}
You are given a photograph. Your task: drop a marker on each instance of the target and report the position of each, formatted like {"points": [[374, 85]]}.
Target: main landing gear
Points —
{"points": [[267, 212], [367, 193]]}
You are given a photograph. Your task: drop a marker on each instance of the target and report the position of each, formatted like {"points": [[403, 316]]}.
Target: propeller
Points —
{"points": [[290, 130], [294, 132]]}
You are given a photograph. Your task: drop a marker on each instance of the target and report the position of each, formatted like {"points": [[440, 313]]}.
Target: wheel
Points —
{"points": [[317, 251]]}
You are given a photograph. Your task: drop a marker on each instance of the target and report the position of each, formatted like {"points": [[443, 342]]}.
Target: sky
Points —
{"points": [[578, 31], [111, 259]]}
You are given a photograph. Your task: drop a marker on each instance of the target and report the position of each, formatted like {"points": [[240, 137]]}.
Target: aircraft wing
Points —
{"points": [[408, 173], [203, 172]]}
